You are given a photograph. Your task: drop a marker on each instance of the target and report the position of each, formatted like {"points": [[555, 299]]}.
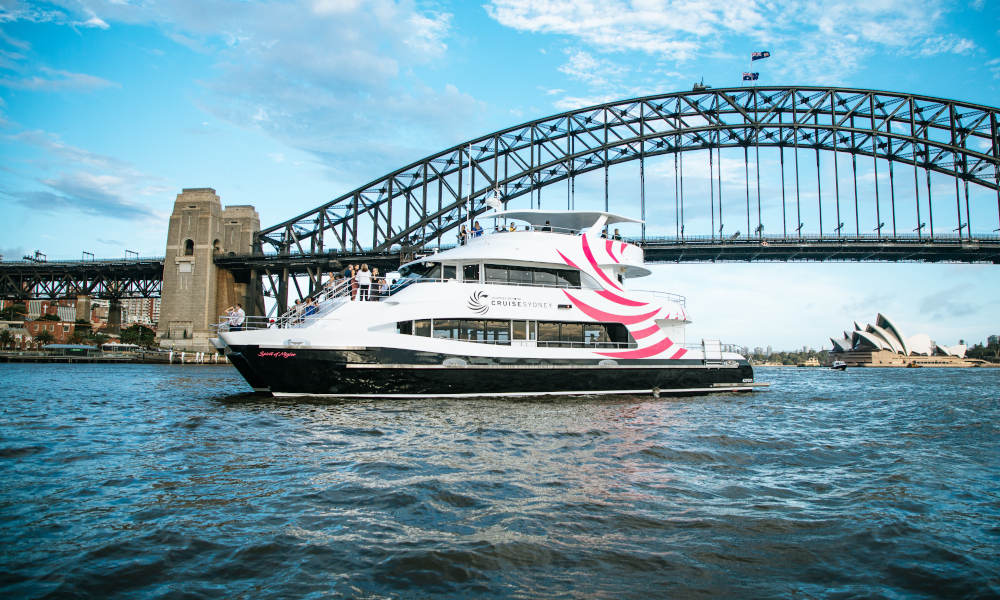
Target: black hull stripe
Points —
{"points": [[665, 392]]}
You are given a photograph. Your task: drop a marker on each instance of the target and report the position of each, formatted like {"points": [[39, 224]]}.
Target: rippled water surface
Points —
{"points": [[147, 481]]}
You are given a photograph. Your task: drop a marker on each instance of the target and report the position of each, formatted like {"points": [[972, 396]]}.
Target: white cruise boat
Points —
{"points": [[543, 310]]}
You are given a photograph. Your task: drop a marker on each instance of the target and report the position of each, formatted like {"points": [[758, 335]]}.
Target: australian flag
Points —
{"points": [[750, 76], [759, 55]]}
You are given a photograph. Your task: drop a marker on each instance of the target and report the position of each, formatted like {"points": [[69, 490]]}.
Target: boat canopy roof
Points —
{"points": [[561, 219]]}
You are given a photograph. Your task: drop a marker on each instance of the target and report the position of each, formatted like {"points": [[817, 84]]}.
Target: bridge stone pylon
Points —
{"points": [[195, 292]]}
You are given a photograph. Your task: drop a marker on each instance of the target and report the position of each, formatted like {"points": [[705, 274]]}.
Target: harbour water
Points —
{"points": [[155, 481]]}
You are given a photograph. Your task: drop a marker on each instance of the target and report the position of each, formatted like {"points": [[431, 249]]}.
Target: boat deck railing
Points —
{"points": [[470, 235]]}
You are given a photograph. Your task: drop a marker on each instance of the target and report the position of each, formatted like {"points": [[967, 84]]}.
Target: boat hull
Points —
{"points": [[385, 372]]}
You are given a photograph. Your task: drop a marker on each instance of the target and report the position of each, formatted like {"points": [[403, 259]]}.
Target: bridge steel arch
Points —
{"points": [[418, 204]]}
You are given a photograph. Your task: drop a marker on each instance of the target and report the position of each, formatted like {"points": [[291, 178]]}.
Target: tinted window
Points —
{"points": [[546, 277], [498, 331], [422, 328], [595, 332], [446, 328], [548, 332], [449, 271], [568, 278], [496, 273], [473, 330], [405, 327], [571, 332], [471, 272], [519, 275]]}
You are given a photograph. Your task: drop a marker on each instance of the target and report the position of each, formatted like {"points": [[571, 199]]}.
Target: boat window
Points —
{"points": [[595, 332], [568, 278], [446, 329], [519, 275], [546, 277], [473, 331], [498, 332], [548, 332], [618, 333], [422, 327], [471, 272], [496, 274], [420, 270], [571, 332], [433, 273], [449, 272]]}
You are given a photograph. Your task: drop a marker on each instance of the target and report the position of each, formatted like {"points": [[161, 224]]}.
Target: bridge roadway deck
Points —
{"points": [[139, 278]]}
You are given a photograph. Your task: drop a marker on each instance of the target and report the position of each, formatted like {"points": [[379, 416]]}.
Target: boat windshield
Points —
{"points": [[426, 270]]}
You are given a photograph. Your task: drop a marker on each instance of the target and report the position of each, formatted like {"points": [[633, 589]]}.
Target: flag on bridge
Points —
{"points": [[750, 76], [759, 55]]}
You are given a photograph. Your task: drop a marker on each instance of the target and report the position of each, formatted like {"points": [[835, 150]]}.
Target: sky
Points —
{"points": [[108, 108]]}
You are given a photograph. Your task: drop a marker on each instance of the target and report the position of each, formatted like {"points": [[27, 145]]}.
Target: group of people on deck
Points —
{"points": [[465, 234], [365, 284]]}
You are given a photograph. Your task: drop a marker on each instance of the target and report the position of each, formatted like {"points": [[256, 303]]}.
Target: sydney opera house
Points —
{"points": [[883, 345]]}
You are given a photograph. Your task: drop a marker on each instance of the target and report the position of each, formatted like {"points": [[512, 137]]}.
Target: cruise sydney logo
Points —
{"points": [[476, 303]]}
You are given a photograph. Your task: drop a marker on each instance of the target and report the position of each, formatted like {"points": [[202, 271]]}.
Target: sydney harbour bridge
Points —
{"points": [[737, 174]]}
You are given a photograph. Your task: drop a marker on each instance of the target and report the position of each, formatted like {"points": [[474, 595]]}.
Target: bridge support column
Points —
{"points": [[195, 292], [115, 316], [83, 308]]}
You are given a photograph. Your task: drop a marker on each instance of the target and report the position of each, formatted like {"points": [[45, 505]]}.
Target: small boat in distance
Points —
{"points": [[839, 365], [525, 310]]}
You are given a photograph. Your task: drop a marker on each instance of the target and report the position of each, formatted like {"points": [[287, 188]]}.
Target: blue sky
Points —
{"points": [[109, 108]]}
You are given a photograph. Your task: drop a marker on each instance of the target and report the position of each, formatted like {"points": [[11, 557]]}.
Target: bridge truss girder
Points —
{"points": [[98, 279], [418, 204]]}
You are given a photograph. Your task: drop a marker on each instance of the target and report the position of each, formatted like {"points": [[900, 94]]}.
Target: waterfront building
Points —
{"points": [[61, 331], [144, 311], [883, 345], [993, 340]]}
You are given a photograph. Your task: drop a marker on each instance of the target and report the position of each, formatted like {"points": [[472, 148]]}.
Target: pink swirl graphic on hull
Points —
{"points": [[608, 245], [644, 352], [644, 333], [618, 299], [590, 258], [600, 315]]}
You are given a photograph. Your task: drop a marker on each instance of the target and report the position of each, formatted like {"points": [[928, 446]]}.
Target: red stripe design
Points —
{"points": [[679, 354], [645, 332], [608, 245], [568, 261], [600, 315], [622, 251], [619, 300], [642, 352], [593, 263]]}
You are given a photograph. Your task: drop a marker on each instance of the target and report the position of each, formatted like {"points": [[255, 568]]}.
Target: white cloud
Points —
{"points": [[824, 40], [95, 22], [652, 26], [946, 44], [50, 80], [994, 67], [597, 72], [84, 181]]}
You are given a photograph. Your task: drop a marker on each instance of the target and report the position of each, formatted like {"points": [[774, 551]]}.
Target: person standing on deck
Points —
{"points": [[364, 282]]}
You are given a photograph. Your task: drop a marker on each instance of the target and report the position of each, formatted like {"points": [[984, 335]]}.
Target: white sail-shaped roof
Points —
{"points": [[920, 344], [884, 322], [842, 345], [861, 338], [889, 338], [956, 350]]}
